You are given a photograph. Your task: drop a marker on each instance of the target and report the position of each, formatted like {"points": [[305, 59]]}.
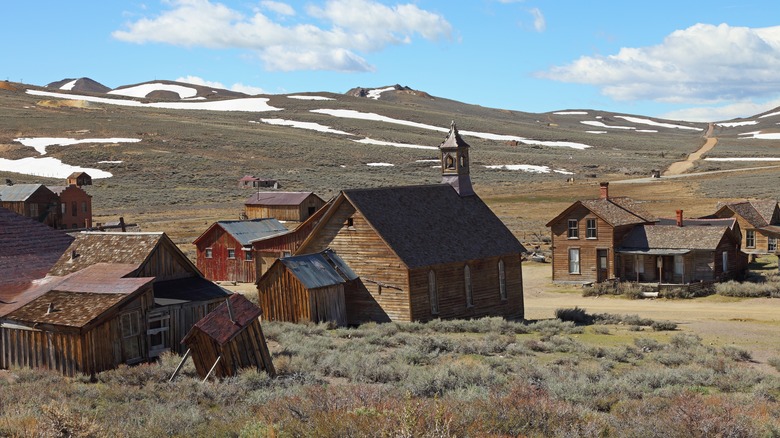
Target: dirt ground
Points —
{"points": [[753, 323]]}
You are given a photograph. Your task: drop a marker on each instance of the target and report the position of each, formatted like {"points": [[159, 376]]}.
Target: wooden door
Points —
{"points": [[602, 265]]}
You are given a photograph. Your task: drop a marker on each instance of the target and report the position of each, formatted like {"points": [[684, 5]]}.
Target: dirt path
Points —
{"points": [[681, 167]]}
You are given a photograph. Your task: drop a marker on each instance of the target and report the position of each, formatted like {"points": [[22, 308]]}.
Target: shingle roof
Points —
{"points": [[277, 198], [758, 213], [218, 325], [431, 224], [319, 270], [78, 298], [619, 211], [246, 231], [91, 248], [674, 237], [701, 222], [18, 192], [28, 249]]}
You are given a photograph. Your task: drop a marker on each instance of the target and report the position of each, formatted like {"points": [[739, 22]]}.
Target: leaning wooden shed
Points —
{"points": [[308, 287], [228, 339]]}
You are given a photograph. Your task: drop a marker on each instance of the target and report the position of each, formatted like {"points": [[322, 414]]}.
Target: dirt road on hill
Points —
{"points": [[681, 167]]}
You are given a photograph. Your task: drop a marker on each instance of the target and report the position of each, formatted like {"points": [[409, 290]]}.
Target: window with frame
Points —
{"points": [[131, 335], [574, 260], [501, 280], [678, 265], [750, 239], [248, 256], [469, 289], [574, 232], [74, 208], [772, 244], [231, 253], [433, 293], [208, 253], [33, 210], [83, 206], [64, 207], [591, 232]]}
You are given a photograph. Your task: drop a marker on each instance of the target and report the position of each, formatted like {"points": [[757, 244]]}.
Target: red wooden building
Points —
{"points": [[224, 250], [75, 207], [32, 200]]}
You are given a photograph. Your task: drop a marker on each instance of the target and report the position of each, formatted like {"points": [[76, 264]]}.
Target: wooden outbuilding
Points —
{"points": [[585, 235], [32, 200], [182, 296], [228, 339], [79, 179], [424, 252], [308, 287], [284, 206], [253, 182], [75, 207], [85, 322], [224, 250]]}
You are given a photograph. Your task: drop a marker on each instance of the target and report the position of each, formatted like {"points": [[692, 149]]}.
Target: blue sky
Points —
{"points": [[691, 60]]}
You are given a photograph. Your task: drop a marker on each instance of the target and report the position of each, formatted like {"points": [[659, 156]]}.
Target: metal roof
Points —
{"points": [[187, 290], [218, 324], [315, 270], [18, 192], [278, 198], [246, 231]]}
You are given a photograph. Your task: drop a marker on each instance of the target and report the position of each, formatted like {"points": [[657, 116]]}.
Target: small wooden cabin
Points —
{"points": [[308, 287], [228, 339], [86, 322], [32, 200], [79, 179], [284, 206], [224, 250], [253, 182], [759, 222], [181, 295], [75, 207]]}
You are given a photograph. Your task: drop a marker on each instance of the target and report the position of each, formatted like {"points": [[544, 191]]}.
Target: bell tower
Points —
{"points": [[455, 162]]}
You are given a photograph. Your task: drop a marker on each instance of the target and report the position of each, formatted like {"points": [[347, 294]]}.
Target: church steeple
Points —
{"points": [[455, 162]]}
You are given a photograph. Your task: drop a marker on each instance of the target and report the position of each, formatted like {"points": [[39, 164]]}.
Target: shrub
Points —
{"points": [[575, 315], [736, 353], [601, 330], [746, 289], [774, 362], [660, 326]]}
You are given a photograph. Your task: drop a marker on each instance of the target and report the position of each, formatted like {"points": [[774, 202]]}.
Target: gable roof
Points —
{"points": [[101, 285], [218, 326], [616, 211], [106, 247], [19, 192], [187, 290], [246, 231], [278, 198], [319, 270], [758, 213], [430, 224], [673, 237], [29, 249]]}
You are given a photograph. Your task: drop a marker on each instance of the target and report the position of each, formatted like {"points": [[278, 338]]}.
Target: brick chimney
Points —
{"points": [[604, 186], [679, 218]]}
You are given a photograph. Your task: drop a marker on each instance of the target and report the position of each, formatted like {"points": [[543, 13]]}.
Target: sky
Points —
{"points": [[684, 60]]}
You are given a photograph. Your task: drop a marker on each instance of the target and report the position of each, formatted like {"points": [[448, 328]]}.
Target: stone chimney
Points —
{"points": [[604, 187], [679, 218]]}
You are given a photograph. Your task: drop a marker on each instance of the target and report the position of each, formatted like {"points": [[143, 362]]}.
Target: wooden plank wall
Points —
{"points": [[282, 297], [247, 349], [219, 267], [280, 212], [327, 304], [451, 288], [370, 258], [165, 263], [561, 243]]}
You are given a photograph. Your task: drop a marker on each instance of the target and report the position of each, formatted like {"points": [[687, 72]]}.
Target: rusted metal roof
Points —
{"points": [[218, 324], [278, 198], [319, 270], [19, 192], [431, 224], [99, 247], [246, 231], [77, 298], [28, 249]]}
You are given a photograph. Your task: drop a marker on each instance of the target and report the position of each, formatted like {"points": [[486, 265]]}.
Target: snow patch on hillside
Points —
{"points": [[144, 89], [642, 121], [48, 167], [398, 145], [571, 113], [40, 143], [303, 125], [529, 168], [377, 92], [735, 124], [69, 86], [762, 136], [743, 159], [380, 164], [302, 97]]}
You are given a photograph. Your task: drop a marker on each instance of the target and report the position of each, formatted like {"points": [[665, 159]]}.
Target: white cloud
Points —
{"points": [[720, 113], [278, 7], [539, 23], [703, 64], [348, 27], [238, 87]]}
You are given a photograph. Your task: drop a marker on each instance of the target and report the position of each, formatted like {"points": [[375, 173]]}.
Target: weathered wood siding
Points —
{"points": [[247, 349], [486, 295], [561, 243], [296, 213], [72, 350], [284, 298], [385, 279], [43, 206], [165, 263], [219, 267], [182, 317]]}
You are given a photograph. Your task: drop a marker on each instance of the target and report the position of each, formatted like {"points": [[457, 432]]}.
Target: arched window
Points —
{"points": [[467, 282], [501, 279], [433, 293]]}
